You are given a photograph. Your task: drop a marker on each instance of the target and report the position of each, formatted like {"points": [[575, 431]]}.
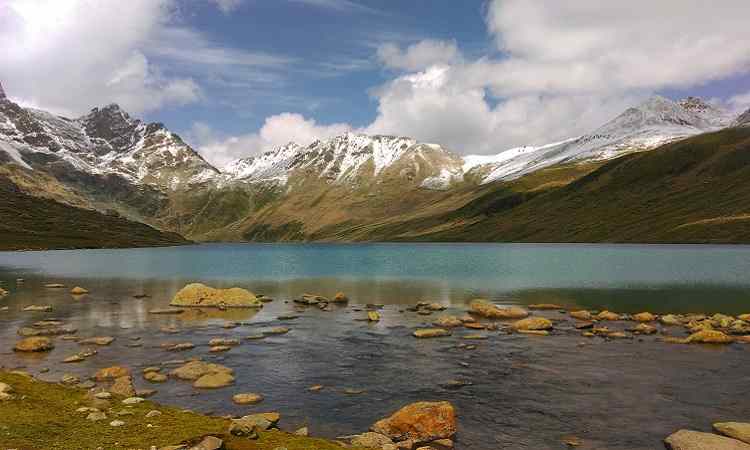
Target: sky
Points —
{"points": [[237, 77]]}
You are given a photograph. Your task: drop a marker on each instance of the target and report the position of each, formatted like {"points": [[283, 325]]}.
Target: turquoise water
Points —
{"points": [[627, 277]]}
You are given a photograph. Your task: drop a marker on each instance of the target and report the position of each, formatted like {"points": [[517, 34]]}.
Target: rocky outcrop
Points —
{"points": [[197, 294], [419, 423]]}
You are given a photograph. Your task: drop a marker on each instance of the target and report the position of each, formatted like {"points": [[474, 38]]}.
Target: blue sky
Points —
{"points": [[235, 77]]}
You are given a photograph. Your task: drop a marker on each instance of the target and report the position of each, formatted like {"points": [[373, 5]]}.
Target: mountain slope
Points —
{"points": [[743, 120], [691, 191], [30, 222]]}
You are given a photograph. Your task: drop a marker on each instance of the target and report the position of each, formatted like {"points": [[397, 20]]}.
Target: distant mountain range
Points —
{"points": [[343, 188]]}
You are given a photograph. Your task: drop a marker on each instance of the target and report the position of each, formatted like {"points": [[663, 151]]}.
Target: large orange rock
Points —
{"points": [[34, 344], [419, 422], [486, 309], [197, 294]]}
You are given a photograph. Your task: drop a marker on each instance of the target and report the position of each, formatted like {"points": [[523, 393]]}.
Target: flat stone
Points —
{"points": [[736, 430], [214, 381], [98, 340], [695, 440], [247, 399], [424, 333], [133, 400], [34, 344]]}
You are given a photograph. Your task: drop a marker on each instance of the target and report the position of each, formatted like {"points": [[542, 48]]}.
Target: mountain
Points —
{"points": [[348, 187], [644, 127], [743, 120], [691, 191], [31, 222]]}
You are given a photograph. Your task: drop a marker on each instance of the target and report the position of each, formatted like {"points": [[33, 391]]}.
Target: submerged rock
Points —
{"points": [[193, 370], [420, 422], [214, 380], [247, 399], [448, 322], [695, 440], [78, 290], [197, 294], [99, 340], [431, 333]]}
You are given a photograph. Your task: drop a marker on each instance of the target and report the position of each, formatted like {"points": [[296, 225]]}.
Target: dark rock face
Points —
{"points": [[743, 120], [2, 92], [111, 125]]}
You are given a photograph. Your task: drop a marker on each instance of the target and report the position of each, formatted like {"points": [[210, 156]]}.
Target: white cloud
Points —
{"points": [[227, 6], [276, 131], [336, 5], [418, 56]]}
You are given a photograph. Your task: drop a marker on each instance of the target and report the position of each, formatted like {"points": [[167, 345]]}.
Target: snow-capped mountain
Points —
{"points": [[107, 141], [653, 123], [743, 120], [353, 158]]}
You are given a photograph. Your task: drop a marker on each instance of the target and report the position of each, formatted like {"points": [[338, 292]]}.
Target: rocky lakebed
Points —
{"points": [[423, 375]]}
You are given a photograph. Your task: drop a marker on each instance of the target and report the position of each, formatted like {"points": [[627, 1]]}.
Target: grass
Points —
{"points": [[43, 416], [30, 222]]}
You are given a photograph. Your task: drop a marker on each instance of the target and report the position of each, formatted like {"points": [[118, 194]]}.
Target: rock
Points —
{"points": [[670, 319], [644, 317], [709, 337], [534, 332], [643, 328], [315, 388], [103, 395], [373, 316], [110, 373], [448, 322], [340, 297], [581, 315], [99, 340], [166, 311], [545, 306], [370, 440], [46, 331], [38, 308], [745, 317], [78, 290], [34, 344], [133, 401], [214, 380], [96, 416], [123, 386], [533, 323], [486, 309], [304, 431], [145, 393], [695, 440], [435, 307], [607, 315], [475, 337], [54, 286], [153, 413], [209, 443], [155, 377], [736, 430], [69, 379], [74, 359], [3, 292], [423, 333], [466, 318], [421, 422], [246, 424], [443, 443], [247, 399], [197, 294], [353, 391], [196, 369], [182, 346], [475, 325], [219, 349]]}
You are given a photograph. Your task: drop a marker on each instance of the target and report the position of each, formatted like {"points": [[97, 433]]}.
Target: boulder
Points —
{"points": [[193, 370], [110, 373], [532, 323], [694, 440], [34, 344], [486, 309], [709, 337], [420, 422], [431, 333], [340, 297], [670, 319], [214, 380], [78, 290], [644, 317], [197, 294], [736, 430]]}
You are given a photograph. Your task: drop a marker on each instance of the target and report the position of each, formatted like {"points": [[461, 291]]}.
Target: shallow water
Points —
{"points": [[527, 392]]}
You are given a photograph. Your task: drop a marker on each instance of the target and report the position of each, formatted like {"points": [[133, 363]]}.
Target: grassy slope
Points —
{"points": [[692, 191], [30, 222], [43, 416]]}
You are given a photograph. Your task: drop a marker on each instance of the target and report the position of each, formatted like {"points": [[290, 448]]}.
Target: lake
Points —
{"points": [[526, 392]]}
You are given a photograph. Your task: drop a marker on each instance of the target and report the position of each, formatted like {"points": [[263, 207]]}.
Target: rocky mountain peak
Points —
{"points": [[713, 115], [743, 120], [2, 92], [112, 125]]}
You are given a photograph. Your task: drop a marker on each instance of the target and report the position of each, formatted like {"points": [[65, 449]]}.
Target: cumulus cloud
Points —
{"points": [[277, 130], [566, 68], [418, 56]]}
